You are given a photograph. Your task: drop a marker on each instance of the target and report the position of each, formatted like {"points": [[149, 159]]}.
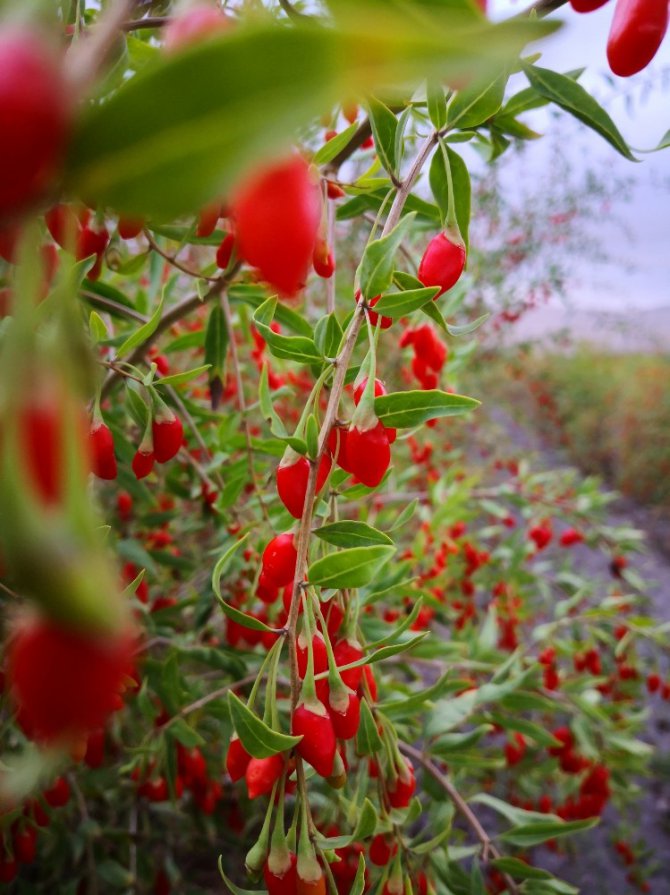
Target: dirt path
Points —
{"points": [[599, 870]]}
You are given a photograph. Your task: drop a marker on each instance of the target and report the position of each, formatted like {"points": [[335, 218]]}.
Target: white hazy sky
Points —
{"points": [[639, 274]]}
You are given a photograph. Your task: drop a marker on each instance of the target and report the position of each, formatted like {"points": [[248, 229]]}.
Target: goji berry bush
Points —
{"points": [[270, 594]]}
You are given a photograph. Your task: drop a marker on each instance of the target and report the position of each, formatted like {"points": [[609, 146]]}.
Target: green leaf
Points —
{"points": [[384, 124], [352, 533], [439, 185], [354, 567], [358, 885], [475, 104], [328, 335], [257, 738], [232, 612], [572, 97], [368, 740], [530, 835], [296, 348], [375, 272], [143, 333], [97, 328], [236, 890], [437, 104], [519, 869], [405, 516], [399, 304], [333, 147], [216, 341], [179, 378], [185, 734], [465, 329], [403, 410]]}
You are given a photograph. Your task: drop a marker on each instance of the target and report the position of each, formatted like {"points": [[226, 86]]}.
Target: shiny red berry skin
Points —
{"points": [[279, 559], [442, 263], [93, 240], [65, 683], [400, 791], [587, 5], [103, 460], [143, 464], [317, 746], [283, 883], [345, 724], [323, 260], [237, 759], [337, 445], [261, 775], [277, 213], [380, 389], [346, 652], [129, 228], [225, 251], [368, 454], [319, 654], [382, 849], [168, 435], [292, 482], [198, 22], [34, 118], [636, 33]]}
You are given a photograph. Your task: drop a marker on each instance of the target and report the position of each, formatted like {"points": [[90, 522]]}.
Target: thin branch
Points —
{"points": [[115, 307], [489, 850], [174, 315], [171, 259], [292, 12], [148, 22], [183, 410]]}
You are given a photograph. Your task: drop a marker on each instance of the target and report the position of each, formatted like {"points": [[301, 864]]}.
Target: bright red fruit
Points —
{"points": [[317, 746], [143, 463], [34, 118], [400, 791], [346, 652], [168, 435], [261, 775], [237, 759], [41, 439], [337, 445], [198, 22], [442, 263], [319, 654], [102, 451], [380, 389], [587, 5], [279, 559], [636, 33], [281, 880], [129, 228], [368, 454], [322, 260], [346, 723], [292, 482], [386, 322], [65, 683], [93, 240], [95, 749], [277, 213], [382, 849], [225, 251]]}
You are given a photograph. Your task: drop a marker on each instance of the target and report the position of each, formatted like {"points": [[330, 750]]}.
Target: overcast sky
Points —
{"points": [[640, 278]]}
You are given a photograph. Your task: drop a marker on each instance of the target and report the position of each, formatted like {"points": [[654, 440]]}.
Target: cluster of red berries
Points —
{"points": [[20, 845], [430, 353]]}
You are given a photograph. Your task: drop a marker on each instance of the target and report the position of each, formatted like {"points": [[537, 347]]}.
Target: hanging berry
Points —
{"points": [[237, 759], [443, 262], [317, 746], [168, 434], [65, 683], [277, 213], [368, 453], [279, 560], [292, 475], [262, 774], [101, 442], [636, 33], [35, 115]]}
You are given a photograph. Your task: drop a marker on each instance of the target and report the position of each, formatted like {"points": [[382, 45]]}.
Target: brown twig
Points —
{"points": [[171, 259], [489, 850], [148, 22]]}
